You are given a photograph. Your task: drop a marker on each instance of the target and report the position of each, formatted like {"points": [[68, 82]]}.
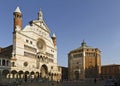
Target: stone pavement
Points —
{"points": [[65, 83], [41, 84], [83, 83]]}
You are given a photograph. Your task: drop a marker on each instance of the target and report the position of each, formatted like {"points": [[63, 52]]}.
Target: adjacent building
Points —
{"points": [[111, 71], [84, 62], [33, 54], [64, 75]]}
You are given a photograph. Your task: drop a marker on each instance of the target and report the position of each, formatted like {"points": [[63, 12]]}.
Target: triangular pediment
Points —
{"points": [[40, 24]]}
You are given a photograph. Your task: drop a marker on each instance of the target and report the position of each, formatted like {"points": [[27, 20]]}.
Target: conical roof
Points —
{"points": [[54, 35], [17, 10]]}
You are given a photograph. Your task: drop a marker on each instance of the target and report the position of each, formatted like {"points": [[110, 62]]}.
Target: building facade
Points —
{"points": [[64, 75], [111, 71], [84, 63], [33, 53]]}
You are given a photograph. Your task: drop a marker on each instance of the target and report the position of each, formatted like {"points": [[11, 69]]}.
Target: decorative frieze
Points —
{"points": [[27, 54], [26, 47]]}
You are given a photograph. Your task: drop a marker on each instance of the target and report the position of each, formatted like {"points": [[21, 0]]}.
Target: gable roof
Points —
{"points": [[40, 24]]}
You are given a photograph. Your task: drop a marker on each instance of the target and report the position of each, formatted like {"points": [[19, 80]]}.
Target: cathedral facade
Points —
{"points": [[84, 63], [33, 54]]}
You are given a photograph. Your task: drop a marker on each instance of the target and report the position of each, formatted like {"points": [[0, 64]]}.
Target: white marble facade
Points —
{"points": [[34, 51]]}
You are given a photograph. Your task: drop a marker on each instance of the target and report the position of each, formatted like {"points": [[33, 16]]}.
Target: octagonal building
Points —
{"points": [[84, 63]]}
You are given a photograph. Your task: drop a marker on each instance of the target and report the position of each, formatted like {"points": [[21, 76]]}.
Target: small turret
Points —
{"points": [[40, 15], [54, 39], [17, 19], [83, 44]]}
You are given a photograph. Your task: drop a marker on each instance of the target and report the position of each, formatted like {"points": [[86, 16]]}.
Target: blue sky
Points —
{"points": [[95, 21]]}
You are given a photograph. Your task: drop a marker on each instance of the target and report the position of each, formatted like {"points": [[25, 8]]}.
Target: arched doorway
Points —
{"points": [[37, 74], [14, 74], [76, 75], [20, 74], [32, 75], [44, 71], [5, 73], [26, 75]]}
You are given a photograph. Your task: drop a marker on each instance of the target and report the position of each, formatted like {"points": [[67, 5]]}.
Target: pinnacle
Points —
{"points": [[17, 10]]}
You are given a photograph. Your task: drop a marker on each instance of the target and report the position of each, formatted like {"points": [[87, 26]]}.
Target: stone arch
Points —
{"points": [[37, 74], [14, 74], [44, 71], [26, 75], [20, 73], [76, 75], [13, 71], [27, 72], [32, 74], [41, 58], [5, 73]]}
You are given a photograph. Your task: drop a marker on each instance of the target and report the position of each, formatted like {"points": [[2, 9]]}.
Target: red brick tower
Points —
{"points": [[17, 19]]}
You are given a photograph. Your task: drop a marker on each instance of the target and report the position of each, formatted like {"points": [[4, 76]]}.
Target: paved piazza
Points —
{"points": [[65, 83]]}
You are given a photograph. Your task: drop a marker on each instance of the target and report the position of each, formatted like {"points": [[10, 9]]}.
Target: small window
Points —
{"points": [[7, 62], [13, 64], [51, 67], [3, 62], [27, 41], [38, 57], [30, 42]]}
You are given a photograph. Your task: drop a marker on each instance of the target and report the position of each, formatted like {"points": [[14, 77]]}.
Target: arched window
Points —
{"points": [[3, 62], [7, 62], [13, 64]]}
